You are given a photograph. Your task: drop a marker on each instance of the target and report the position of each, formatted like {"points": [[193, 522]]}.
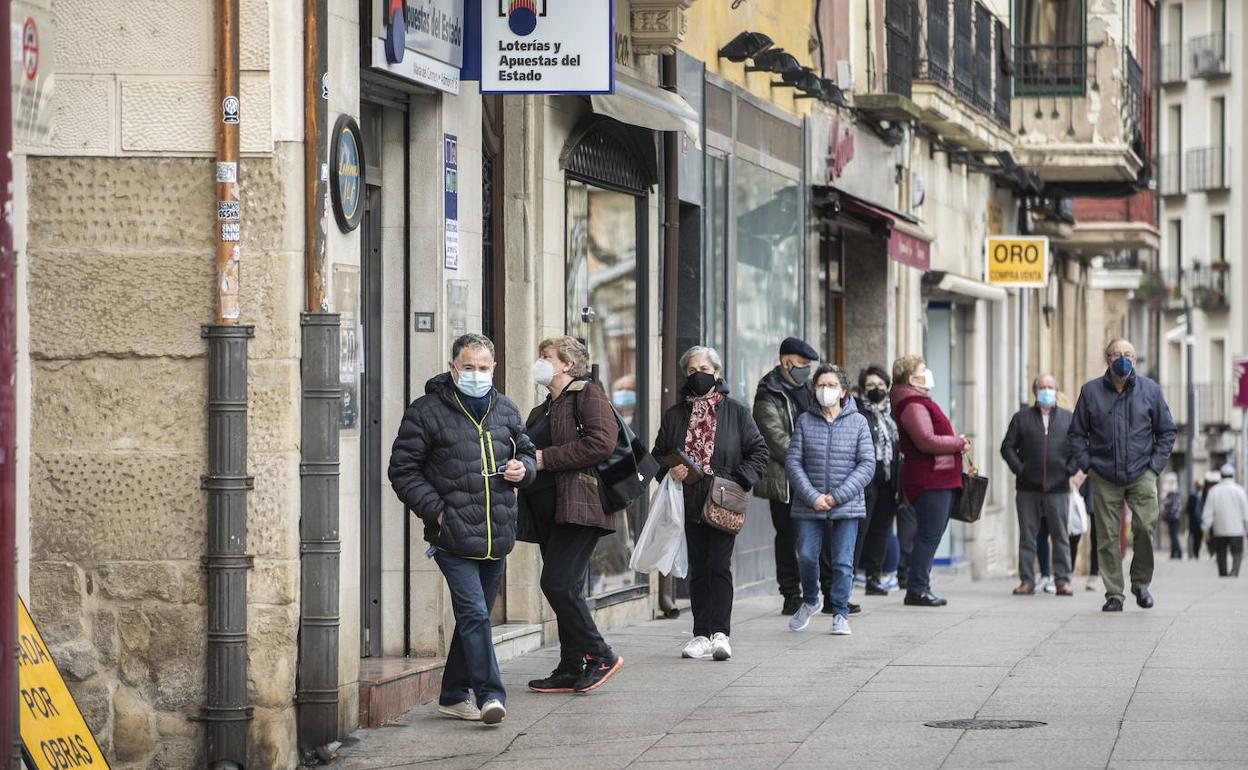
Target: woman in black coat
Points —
{"points": [[720, 436]]}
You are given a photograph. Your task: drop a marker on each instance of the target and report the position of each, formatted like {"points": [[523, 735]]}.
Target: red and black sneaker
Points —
{"points": [[562, 679], [598, 670]]}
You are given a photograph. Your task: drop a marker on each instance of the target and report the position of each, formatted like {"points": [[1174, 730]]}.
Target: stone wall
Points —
{"points": [[121, 278]]}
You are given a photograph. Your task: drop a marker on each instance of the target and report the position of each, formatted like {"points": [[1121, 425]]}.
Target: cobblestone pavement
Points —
{"points": [[1166, 687]]}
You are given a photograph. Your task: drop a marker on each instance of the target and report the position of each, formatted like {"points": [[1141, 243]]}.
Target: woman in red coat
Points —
{"points": [[931, 469]]}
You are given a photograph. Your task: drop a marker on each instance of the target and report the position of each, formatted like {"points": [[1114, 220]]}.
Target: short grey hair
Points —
{"points": [[711, 354], [471, 341], [835, 371], [1115, 341], [569, 350], [1035, 384]]}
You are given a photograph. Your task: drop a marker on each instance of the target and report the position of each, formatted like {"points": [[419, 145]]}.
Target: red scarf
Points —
{"points": [[700, 440]]}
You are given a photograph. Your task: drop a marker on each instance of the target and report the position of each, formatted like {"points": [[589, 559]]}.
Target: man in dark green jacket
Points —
{"points": [[782, 395]]}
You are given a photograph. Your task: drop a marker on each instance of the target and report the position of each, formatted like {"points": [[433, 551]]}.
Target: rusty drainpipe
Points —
{"points": [[319, 539], [671, 297], [226, 713]]}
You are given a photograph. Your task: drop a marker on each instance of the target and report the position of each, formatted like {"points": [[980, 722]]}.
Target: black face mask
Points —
{"points": [[877, 395], [699, 383], [800, 374]]}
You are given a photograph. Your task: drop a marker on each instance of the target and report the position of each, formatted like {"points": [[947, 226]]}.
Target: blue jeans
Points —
{"points": [[892, 554], [470, 663], [931, 513], [837, 537]]}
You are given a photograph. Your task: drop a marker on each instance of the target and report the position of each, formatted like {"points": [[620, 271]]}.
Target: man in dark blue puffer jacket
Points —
{"points": [[460, 454]]}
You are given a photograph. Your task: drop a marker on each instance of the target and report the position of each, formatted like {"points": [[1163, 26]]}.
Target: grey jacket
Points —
{"points": [[438, 466], [1120, 436], [834, 458]]}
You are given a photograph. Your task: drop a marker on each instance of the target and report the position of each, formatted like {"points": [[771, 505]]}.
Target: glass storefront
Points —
{"points": [[602, 310]]}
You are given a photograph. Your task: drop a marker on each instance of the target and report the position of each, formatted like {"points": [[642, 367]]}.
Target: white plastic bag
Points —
{"points": [[1076, 515], [661, 545]]}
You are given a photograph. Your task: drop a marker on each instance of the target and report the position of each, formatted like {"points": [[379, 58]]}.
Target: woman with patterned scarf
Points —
{"points": [[719, 436]]}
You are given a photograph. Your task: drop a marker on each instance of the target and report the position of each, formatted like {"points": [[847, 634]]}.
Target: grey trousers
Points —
{"points": [[1052, 507]]}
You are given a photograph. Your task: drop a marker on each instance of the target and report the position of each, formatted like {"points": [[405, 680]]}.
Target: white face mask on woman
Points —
{"points": [[543, 372], [929, 380], [828, 396]]}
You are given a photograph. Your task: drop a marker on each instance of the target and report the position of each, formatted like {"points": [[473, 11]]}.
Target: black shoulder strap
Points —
{"points": [[576, 413]]}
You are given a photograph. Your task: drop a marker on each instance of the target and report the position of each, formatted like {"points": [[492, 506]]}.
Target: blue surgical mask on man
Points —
{"points": [[1046, 397], [1122, 366], [475, 384]]}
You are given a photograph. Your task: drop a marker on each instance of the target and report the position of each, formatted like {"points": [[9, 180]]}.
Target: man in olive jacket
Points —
{"points": [[459, 456], [782, 395], [1121, 435]]}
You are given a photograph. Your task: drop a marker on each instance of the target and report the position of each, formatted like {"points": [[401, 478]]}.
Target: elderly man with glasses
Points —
{"points": [[1121, 435]]}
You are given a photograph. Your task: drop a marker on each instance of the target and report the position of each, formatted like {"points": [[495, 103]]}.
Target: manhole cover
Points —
{"points": [[985, 724]]}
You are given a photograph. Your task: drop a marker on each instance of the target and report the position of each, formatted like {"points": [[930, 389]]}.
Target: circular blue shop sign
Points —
{"points": [[346, 173]]}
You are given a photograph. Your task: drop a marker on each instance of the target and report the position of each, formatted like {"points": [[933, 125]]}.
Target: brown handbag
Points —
{"points": [[726, 505]]}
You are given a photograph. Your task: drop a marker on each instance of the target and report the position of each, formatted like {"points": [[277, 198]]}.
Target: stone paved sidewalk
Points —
{"points": [[1141, 689]]}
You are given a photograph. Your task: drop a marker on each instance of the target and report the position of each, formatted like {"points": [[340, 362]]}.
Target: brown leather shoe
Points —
{"points": [[1025, 589], [1063, 589]]}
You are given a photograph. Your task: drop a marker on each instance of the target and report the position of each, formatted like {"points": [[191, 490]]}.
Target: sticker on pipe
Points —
{"points": [[229, 211], [227, 173], [230, 231], [54, 734], [229, 110]]}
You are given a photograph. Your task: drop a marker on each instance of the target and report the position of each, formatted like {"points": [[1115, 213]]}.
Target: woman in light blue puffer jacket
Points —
{"points": [[831, 461]]}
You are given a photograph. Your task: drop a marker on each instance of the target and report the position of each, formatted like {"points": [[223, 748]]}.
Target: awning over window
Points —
{"points": [[641, 104], [908, 243]]}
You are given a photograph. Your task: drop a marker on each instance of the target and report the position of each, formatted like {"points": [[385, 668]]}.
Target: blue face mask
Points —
{"points": [[624, 399], [475, 384], [1122, 366], [1046, 397]]}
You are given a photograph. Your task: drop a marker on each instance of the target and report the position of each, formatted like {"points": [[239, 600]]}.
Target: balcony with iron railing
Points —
{"points": [[1171, 64], [1209, 55], [1206, 287], [1170, 174], [1077, 112], [1208, 169]]}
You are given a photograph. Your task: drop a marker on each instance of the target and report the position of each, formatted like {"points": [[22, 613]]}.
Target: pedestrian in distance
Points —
{"points": [[573, 430], [1192, 509], [719, 438], [460, 455], [1035, 450], [931, 469], [782, 395], [1225, 521], [1121, 435], [1172, 511], [884, 491], [831, 461]]}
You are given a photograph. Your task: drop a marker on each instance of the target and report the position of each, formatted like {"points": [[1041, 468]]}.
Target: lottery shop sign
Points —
{"points": [[548, 46], [54, 734]]}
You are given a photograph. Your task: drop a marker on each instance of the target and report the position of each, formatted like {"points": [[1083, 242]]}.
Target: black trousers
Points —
{"points": [[710, 578], [1235, 545], [881, 510], [786, 555], [1176, 538], [1195, 537], [566, 551]]}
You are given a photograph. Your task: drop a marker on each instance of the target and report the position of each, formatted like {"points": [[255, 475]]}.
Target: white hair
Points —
{"points": [[711, 354]]}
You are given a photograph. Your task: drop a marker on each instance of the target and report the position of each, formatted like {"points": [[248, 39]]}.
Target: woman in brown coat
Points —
{"points": [[565, 513]]}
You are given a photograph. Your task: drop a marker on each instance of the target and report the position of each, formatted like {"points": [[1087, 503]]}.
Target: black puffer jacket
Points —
{"points": [[437, 464], [740, 451]]}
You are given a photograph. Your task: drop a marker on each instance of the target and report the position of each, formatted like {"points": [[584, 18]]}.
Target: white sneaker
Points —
{"points": [[1048, 586], [698, 648], [720, 648], [802, 617], [1093, 584], [493, 712], [840, 626], [466, 711]]}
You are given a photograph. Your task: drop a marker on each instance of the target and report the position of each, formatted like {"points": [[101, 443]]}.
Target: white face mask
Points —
{"points": [[929, 380], [829, 396], [543, 372], [475, 384]]}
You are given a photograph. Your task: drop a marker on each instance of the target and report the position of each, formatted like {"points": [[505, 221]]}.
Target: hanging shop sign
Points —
{"points": [[346, 173], [54, 734], [421, 41], [547, 47], [1017, 261]]}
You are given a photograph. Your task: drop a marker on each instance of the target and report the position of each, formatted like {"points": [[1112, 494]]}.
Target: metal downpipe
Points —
{"points": [[320, 546], [226, 714], [671, 274]]}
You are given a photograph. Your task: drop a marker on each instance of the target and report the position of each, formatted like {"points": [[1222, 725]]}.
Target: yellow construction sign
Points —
{"points": [[1016, 260], [54, 734]]}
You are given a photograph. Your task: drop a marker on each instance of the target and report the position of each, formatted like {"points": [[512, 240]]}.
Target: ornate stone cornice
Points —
{"points": [[658, 26]]}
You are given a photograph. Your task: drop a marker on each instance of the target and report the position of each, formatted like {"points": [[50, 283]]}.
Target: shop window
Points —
{"points": [[1051, 52]]}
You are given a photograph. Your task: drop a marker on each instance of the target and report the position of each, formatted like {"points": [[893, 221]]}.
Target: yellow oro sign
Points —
{"points": [[1017, 261], [54, 734]]}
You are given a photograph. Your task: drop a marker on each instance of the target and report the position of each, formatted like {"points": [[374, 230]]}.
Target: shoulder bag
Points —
{"points": [[968, 503], [626, 474], [725, 505]]}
